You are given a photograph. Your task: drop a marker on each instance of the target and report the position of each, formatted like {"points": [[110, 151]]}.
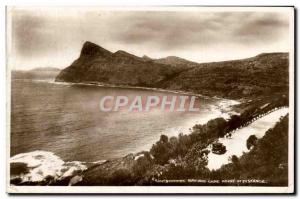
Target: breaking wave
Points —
{"points": [[43, 166]]}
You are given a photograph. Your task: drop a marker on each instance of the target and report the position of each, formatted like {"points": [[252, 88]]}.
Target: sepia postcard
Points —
{"points": [[150, 100]]}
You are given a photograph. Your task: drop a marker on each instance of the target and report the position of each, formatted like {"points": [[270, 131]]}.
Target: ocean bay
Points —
{"points": [[66, 120]]}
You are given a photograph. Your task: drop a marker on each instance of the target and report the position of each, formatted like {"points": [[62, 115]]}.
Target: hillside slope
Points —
{"points": [[264, 74]]}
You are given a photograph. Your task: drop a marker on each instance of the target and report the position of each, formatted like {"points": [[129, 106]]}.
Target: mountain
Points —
{"points": [[264, 74], [98, 64], [178, 62]]}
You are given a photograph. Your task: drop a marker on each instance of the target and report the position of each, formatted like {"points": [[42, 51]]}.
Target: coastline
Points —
{"points": [[105, 85]]}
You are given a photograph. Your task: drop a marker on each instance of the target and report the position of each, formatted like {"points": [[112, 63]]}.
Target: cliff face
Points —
{"points": [[266, 73]]}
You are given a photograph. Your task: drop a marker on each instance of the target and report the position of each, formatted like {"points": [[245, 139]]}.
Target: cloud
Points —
{"points": [[177, 30], [54, 36], [262, 28]]}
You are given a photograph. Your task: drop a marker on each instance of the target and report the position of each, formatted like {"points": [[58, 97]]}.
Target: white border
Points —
{"points": [[147, 189], [167, 189]]}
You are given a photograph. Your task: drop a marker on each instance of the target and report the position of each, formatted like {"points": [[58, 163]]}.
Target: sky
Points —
{"points": [[53, 37]]}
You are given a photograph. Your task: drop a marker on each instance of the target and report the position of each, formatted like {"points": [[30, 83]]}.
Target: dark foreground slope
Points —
{"points": [[184, 157], [265, 74]]}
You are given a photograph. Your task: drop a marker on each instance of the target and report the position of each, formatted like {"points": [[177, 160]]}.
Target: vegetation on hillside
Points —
{"points": [[263, 75]]}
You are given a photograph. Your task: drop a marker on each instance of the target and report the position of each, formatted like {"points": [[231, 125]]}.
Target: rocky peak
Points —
{"points": [[90, 49]]}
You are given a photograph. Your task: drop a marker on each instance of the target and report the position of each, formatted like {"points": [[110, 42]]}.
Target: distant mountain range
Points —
{"points": [[265, 73], [48, 69], [36, 73]]}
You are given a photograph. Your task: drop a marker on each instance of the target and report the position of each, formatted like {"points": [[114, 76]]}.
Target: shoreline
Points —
{"points": [[232, 101], [224, 104], [104, 85]]}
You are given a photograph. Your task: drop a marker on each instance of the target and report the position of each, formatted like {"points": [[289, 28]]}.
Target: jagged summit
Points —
{"points": [[90, 49]]}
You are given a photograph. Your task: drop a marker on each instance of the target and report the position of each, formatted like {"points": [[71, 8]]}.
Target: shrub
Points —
{"points": [[251, 141]]}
